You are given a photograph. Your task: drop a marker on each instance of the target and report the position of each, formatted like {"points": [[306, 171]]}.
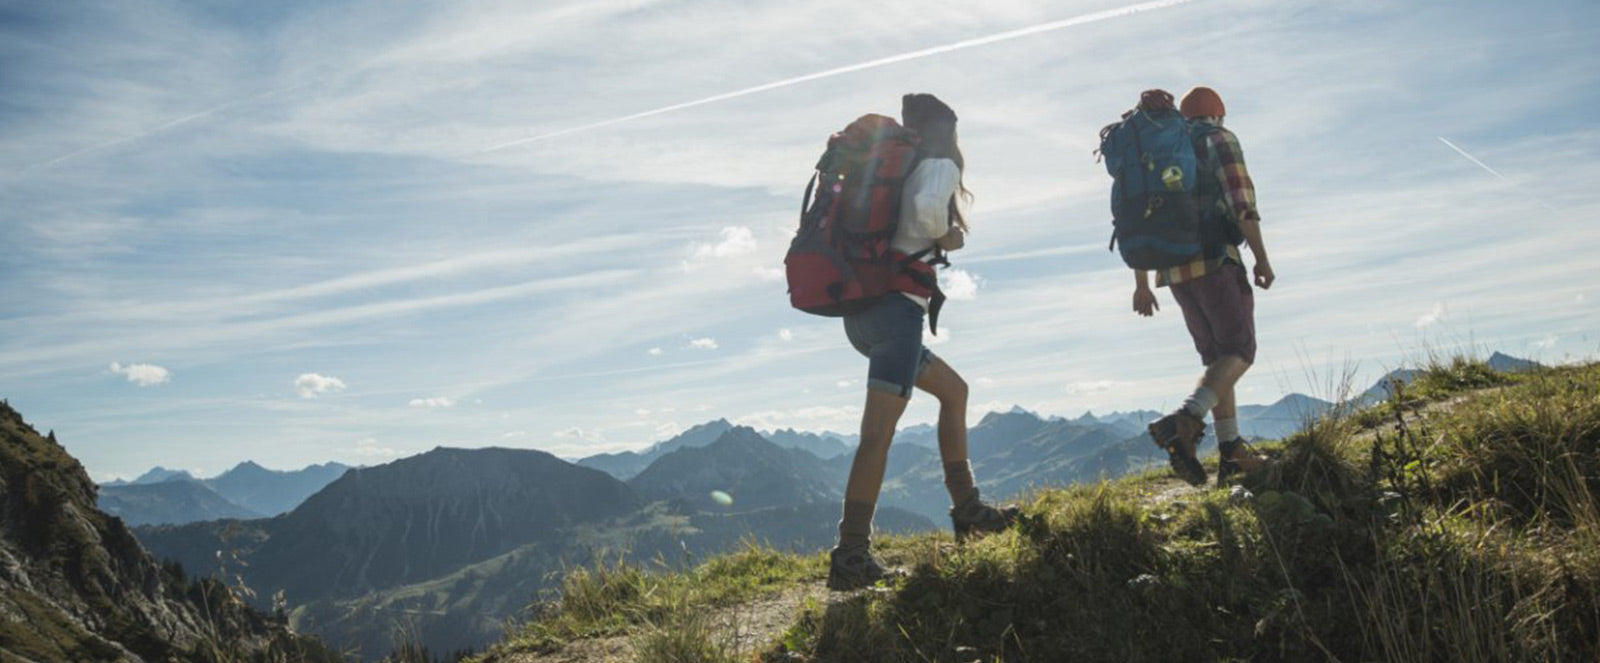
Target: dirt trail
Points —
{"points": [[747, 628]]}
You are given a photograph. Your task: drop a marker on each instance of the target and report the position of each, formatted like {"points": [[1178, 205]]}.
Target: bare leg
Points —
{"points": [[1227, 407], [943, 383], [1220, 378], [878, 420]]}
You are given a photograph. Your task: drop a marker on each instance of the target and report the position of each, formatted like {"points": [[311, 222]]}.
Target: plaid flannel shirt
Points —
{"points": [[1220, 151]]}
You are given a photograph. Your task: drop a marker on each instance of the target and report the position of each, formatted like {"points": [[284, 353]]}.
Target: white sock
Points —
{"points": [[1227, 429], [1200, 402]]}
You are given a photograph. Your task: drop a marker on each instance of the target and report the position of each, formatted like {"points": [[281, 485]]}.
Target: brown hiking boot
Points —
{"points": [[1178, 433], [854, 567], [1235, 456], [975, 518]]}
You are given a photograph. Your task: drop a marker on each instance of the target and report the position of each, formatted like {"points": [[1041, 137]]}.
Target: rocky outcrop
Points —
{"points": [[76, 586]]}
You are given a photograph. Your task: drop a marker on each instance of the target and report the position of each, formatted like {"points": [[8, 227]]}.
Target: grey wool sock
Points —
{"points": [[958, 479], [855, 529], [1227, 429], [1200, 402]]}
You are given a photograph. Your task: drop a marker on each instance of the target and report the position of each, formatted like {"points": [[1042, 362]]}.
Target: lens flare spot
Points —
{"points": [[721, 498]]}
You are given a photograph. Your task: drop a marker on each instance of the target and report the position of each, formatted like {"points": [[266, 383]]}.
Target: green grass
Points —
{"points": [[1459, 524], [621, 597], [1438, 379], [1467, 533]]}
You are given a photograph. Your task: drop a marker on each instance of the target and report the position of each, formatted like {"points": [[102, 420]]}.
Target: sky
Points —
{"points": [[296, 232]]}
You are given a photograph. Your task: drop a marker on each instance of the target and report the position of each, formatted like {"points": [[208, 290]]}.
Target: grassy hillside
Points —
{"points": [[1459, 522]]}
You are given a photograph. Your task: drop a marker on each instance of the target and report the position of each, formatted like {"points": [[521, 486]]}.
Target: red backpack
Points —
{"points": [[840, 261]]}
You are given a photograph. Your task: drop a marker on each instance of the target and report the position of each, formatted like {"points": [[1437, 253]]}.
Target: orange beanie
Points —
{"points": [[1201, 102]]}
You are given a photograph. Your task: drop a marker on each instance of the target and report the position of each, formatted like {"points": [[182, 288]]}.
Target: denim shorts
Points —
{"points": [[890, 336]]}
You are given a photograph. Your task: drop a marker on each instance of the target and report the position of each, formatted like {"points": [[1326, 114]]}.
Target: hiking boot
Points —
{"points": [[1178, 433], [1229, 462], [854, 568], [974, 518]]}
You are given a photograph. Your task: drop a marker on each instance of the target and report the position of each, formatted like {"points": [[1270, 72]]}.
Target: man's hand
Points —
{"points": [[1264, 275], [1144, 302], [952, 240]]}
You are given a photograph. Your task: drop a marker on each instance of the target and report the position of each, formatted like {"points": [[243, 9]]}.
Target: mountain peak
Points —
{"points": [[1508, 364], [159, 474]]}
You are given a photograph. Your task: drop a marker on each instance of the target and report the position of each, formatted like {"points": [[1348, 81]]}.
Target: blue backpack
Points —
{"points": [[1150, 156]]}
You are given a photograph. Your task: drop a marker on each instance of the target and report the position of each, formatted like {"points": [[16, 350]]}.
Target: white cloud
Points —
{"points": [[930, 340], [312, 385], [959, 284], [844, 383], [786, 334], [1433, 317], [736, 241], [441, 401], [1091, 387], [370, 448], [642, 412], [770, 274], [705, 343], [1549, 341], [815, 418], [655, 352], [144, 375], [984, 382], [577, 433], [511, 435]]}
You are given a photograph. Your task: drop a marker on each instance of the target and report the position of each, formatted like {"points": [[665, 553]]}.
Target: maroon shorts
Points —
{"points": [[1219, 310]]}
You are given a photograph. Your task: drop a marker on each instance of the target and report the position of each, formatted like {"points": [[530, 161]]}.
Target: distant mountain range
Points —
{"points": [[479, 531], [175, 497], [625, 464], [168, 502], [748, 470]]}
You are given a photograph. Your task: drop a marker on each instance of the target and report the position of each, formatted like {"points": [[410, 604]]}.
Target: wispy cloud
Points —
{"points": [[164, 126], [1434, 316], [341, 224], [736, 241], [870, 64], [435, 402], [370, 448], [704, 343]]}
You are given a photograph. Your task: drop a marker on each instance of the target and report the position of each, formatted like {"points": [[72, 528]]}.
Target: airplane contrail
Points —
{"points": [[1475, 160], [158, 129], [1495, 173], [870, 64]]}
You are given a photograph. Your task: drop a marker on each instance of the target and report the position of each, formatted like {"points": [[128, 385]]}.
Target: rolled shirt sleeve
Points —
{"points": [[1237, 189]]}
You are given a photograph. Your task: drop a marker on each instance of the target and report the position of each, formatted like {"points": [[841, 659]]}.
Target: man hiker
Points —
{"points": [[1214, 294]]}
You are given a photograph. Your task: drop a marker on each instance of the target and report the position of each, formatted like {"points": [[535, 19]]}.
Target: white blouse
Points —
{"points": [[925, 209]]}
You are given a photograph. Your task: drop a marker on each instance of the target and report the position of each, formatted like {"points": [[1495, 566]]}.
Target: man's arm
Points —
{"points": [[1239, 191], [1144, 300], [1263, 268]]}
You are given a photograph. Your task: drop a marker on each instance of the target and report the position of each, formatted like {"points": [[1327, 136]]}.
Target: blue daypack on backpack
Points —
{"points": [[1150, 156]]}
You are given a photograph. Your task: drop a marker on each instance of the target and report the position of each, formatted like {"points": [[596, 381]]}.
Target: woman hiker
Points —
{"points": [[889, 334]]}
